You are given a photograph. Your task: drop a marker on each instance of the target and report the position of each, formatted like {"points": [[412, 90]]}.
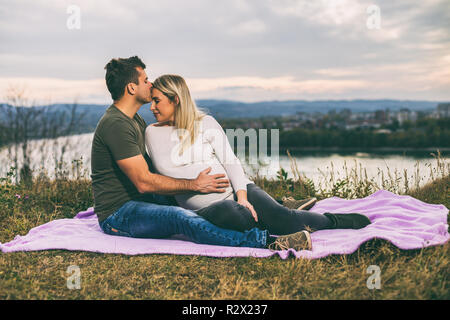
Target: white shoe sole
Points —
{"points": [[307, 204], [308, 236]]}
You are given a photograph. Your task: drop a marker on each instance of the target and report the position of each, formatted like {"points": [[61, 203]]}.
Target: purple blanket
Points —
{"points": [[404, 221]]}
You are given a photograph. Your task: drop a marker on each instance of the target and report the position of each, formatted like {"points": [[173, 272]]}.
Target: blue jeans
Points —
{"points": [[157, 218]]}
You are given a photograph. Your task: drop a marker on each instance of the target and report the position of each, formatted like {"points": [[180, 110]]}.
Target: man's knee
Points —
{"points": [[189, 213]]}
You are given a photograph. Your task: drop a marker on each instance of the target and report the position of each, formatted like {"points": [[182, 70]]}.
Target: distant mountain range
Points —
{"points": [[235, 109]]}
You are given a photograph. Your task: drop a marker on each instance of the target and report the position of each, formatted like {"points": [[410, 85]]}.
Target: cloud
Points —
{"points": [[325, 12], [53, 90], [254, 26], [349, 18], [44, 90], [254, 50], [337, 72], [278, 84]]}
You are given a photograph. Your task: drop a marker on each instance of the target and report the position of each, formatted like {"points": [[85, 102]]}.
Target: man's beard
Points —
{"points": [[144, 101]]}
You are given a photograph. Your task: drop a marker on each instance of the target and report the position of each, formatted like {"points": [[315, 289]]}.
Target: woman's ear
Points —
{"points": [[177, 100]]}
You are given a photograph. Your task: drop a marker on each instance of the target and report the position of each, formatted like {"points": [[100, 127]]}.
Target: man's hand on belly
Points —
{"points": [[205, 183]]}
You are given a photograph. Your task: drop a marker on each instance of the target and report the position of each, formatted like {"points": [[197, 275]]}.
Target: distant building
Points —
{"points": [[346, 113], [385, 131], [380, 116], [443, 110], [406, 115], [290, 125]]}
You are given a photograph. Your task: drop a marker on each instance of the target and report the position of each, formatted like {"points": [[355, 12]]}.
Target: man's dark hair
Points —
{"points": [[120, 72]]}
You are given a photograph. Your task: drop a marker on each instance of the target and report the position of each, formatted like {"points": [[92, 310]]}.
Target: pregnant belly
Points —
{"points": [[192, 200], [190, 171]]}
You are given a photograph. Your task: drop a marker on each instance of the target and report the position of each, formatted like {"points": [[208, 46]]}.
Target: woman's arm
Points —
{"points": [[221, 146], [241, 195], [218, 140], [242, 200]]}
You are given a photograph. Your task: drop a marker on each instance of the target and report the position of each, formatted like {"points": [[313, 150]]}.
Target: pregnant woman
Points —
{"points": [[186, 141]]}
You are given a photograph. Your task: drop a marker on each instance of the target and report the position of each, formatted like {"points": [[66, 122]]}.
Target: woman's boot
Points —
{"points": [[348, 220]]}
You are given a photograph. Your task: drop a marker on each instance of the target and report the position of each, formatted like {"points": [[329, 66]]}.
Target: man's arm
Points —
{"points": [[136, 169]]}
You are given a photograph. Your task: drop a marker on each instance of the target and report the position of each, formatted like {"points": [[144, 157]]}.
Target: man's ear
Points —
{"points": [[131, 89]]}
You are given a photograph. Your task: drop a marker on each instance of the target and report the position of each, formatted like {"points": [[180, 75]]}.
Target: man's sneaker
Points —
{"points": [[298, 241], [304, 204]]}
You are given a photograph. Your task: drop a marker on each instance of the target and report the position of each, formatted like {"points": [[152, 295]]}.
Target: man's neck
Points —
{"points": [[129, 108]]}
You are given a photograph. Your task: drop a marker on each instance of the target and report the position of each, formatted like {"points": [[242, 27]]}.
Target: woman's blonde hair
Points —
{"points": [[187, 114]]}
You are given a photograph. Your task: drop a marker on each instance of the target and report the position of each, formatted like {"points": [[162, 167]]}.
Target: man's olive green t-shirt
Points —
{"points": [[116, 137]]}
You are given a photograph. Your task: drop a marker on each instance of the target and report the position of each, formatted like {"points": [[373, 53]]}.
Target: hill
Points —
{"points": [[236, 109]]}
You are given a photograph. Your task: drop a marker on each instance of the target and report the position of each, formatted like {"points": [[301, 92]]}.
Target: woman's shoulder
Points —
{"points": [[154, 130], [158, 125], [209, 121], [161, 124], [149, 127], [207, 117]]}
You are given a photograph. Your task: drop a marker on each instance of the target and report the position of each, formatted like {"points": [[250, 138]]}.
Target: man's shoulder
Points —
{"points": [[111, 119], [140, 118]]}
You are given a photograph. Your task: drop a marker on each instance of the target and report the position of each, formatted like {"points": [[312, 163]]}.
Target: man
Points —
{"points": [[129, 199]]}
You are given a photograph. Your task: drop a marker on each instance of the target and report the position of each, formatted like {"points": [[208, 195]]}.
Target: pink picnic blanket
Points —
{"points": [[404, 221]]}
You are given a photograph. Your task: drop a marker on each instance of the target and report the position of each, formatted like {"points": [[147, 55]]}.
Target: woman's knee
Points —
{"points": [[251, 187], [226, 210], [256, 194], [241, 216], [232, 215]]}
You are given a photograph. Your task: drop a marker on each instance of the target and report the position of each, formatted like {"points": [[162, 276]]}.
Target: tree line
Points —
{"points": [[424, 133]]}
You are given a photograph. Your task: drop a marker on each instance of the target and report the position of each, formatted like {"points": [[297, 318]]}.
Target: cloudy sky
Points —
{"points": [[248, 50]]}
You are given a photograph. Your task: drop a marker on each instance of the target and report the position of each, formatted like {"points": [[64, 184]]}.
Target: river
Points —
{"points": [[71, 155]]}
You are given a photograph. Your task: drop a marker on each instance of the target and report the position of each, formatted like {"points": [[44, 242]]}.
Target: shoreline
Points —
{"points": [[365, 150]]}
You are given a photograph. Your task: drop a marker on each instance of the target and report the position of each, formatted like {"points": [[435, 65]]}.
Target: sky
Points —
{"points": [[255, 50]]}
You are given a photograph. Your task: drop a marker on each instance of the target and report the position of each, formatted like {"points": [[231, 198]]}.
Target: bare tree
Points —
{"points": [[21, 121]]}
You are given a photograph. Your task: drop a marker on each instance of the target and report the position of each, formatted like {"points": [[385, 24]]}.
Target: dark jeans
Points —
{"points": [[156, 217], [272, 216]]}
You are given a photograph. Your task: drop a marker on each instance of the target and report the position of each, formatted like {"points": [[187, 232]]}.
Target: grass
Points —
{"points": [[405, 274]]}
